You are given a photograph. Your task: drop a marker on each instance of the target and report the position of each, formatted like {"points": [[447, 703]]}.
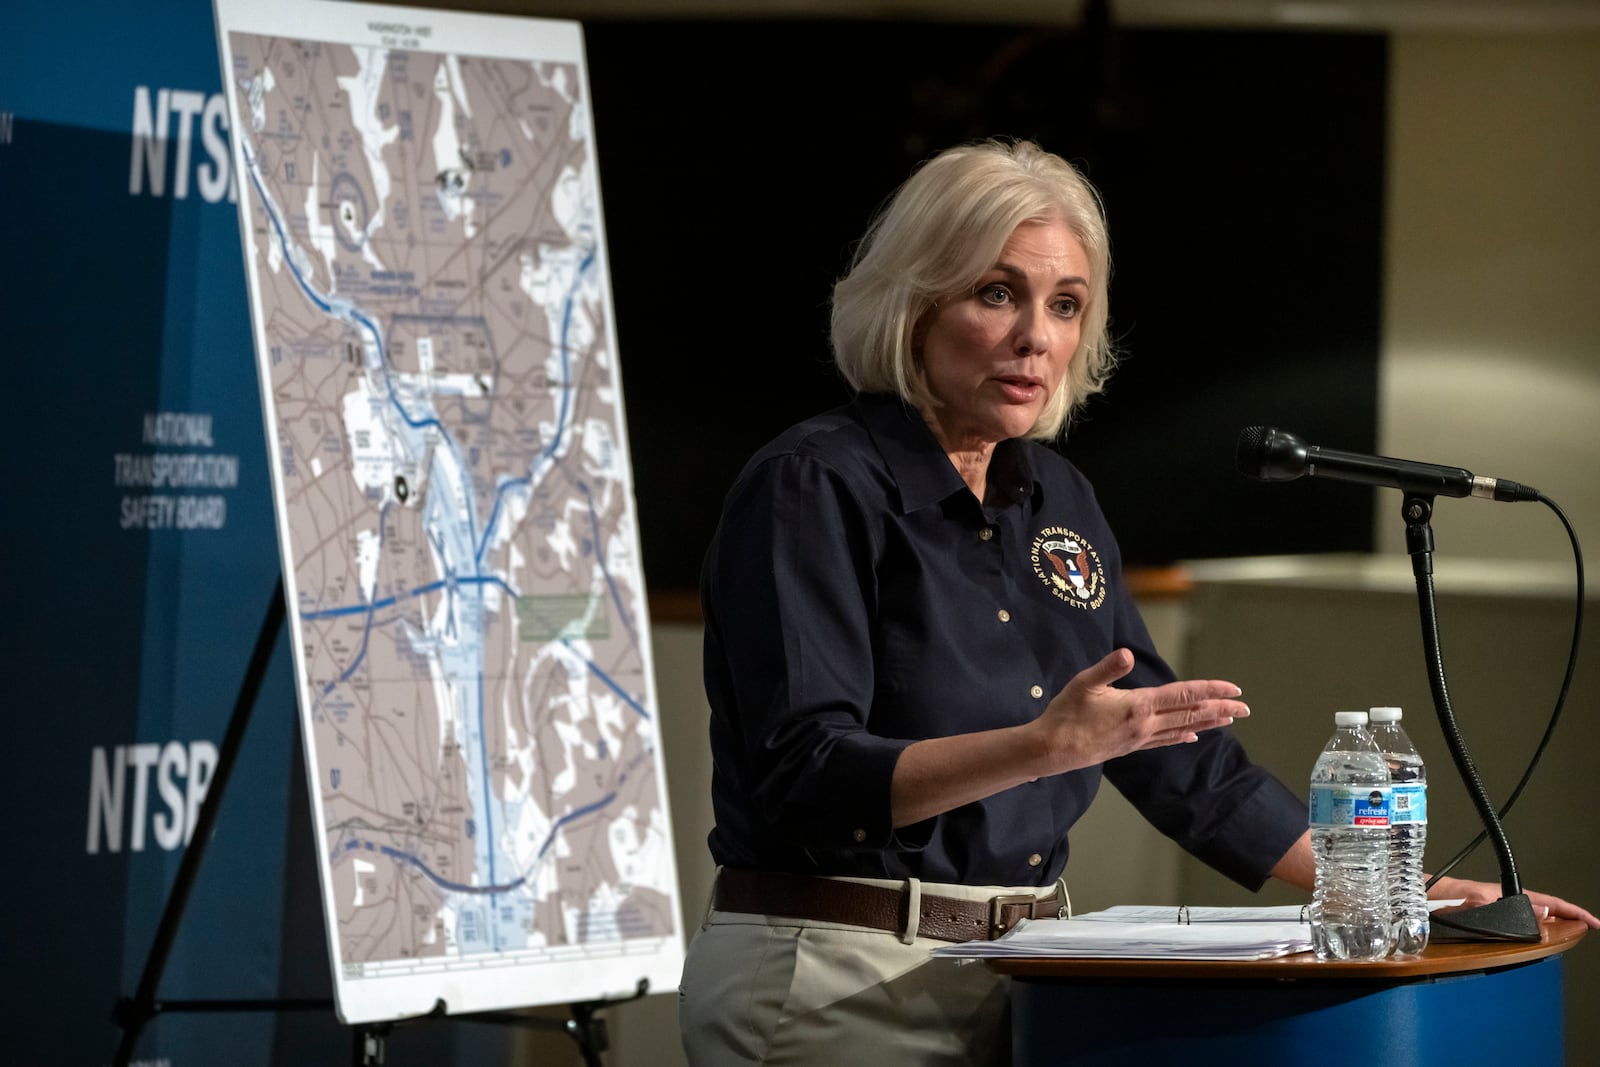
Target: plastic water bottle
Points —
{"points": [[1350, 841], [1408, 831]]}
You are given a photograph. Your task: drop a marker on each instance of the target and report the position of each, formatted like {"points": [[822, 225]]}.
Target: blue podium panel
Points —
{"points": [[1510, 1015]]}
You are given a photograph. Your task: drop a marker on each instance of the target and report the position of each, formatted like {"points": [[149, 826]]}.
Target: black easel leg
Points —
{"points": [[371, 1045], [132, 1014], [590, 1033], [586, 1027]]}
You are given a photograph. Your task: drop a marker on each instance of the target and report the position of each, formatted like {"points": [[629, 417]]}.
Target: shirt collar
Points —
{"points": [[918, 464]]}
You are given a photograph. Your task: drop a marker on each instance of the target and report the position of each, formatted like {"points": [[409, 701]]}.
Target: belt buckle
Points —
{"points": [[997, 925]]}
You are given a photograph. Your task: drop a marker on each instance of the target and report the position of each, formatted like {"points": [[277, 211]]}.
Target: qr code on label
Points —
{"points": [[1402, 802]]}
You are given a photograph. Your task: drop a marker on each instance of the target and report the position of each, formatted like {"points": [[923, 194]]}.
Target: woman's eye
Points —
{"points": [[994, 294], [1067, 307]]}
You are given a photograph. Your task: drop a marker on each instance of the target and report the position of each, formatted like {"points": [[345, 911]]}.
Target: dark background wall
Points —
{"points": [[1243, 175]]}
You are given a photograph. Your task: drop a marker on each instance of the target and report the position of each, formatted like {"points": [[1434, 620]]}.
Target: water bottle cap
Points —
{"points": [[1384, 714], [1350, 718]]}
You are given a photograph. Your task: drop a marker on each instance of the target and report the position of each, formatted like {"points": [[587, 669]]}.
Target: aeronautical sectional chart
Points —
{"points": [[434, 335]]}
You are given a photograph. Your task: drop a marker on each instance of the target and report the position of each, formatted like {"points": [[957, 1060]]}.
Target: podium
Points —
{"points": [[1459, 1003]]}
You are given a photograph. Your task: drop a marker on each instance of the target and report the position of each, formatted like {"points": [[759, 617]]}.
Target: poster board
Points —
{"points": [[431, 312]]}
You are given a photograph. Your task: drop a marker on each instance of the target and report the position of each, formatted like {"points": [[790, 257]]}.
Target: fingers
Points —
{"points": [[1555, 907], [1194, 723], [1093, 719], [1113, 668], [1476, 894], [1207, 716], [1188, 694], [1172, 697], [1181, 711]]}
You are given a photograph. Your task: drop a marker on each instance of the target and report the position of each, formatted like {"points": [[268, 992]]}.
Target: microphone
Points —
{"points": [[1269, 454]]}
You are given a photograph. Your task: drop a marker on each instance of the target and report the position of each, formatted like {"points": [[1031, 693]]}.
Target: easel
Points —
{"points": [[585, 1027], [133, 1013]]}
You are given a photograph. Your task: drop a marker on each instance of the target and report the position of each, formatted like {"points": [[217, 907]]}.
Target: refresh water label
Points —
{"points": [[1408, 804], [1351, 805]]}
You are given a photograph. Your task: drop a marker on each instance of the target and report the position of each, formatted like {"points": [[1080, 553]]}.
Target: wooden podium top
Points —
{"points": [[1556, 936]]}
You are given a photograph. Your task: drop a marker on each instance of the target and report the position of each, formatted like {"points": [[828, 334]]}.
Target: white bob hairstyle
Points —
{"points": [[940, 232]]}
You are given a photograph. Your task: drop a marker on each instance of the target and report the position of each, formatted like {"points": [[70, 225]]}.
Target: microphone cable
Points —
{"points": [[1561, 698]]}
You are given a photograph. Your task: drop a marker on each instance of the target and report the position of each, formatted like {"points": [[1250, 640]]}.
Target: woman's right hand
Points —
{"points": [[1091, 720], [1088, 722]]}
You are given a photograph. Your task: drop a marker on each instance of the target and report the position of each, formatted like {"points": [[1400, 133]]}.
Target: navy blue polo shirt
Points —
{"points": [[858, 598]]}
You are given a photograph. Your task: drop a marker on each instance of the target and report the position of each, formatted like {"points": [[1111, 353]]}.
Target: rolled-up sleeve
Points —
{"points": [[1208, 797], [790, 600]]}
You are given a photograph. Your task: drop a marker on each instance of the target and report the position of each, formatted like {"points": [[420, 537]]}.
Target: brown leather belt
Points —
{"points": [[797, 896]]}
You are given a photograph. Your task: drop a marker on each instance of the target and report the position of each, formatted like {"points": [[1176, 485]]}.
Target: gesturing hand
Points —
{"points": [[1088, 722], [1091, 721]]}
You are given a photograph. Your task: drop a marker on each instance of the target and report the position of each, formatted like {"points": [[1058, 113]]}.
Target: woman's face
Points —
{"points": [[992, 358]]}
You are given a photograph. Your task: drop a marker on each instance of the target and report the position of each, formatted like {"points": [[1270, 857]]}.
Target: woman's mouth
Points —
{"points": [[1020, 388]]}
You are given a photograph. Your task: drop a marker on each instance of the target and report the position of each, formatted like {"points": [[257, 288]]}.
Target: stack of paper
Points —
{"points": [[1154, 913], [1168, 933]]}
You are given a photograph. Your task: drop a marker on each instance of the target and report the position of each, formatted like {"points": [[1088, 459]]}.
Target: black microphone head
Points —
{"points": [[1270, 455]]}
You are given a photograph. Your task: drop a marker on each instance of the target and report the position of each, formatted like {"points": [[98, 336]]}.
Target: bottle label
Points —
{"points": [[1408, 804], [1350, 805]]}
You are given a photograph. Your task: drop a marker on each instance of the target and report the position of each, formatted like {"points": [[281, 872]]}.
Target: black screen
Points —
{"points": [[1243, 179]]}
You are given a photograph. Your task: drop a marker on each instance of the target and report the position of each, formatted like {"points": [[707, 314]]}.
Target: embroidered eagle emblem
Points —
{"points": [[1074, 573]]}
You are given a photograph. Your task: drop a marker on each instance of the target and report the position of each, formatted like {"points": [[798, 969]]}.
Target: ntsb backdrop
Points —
{"points": [[183, 134], [139, 558]]}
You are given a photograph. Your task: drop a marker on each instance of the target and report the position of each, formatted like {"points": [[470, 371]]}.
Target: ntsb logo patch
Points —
{"points": [[1069, 567]]}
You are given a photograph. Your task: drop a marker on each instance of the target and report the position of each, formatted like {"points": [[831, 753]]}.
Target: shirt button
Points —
{"points": [[986, 533], [1004, 615], [1035, 859], [860, 836], [1036, 692]]}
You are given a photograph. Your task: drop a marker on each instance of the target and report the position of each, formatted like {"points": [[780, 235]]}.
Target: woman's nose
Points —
{"points": [[1030, 335]]}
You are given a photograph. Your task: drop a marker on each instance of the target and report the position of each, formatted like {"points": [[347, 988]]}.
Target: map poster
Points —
{"points": [[431, 310]]}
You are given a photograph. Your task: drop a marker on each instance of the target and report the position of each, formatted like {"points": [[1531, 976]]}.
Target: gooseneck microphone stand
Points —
{"points": [[1511, 918]]}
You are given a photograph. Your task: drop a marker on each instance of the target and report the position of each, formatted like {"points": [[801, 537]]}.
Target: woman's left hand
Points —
{"points": [[1476, 894], [1297, 868]]}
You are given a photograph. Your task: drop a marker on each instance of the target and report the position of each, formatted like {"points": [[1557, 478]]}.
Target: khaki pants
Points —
{"points": [[786, 992]]}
